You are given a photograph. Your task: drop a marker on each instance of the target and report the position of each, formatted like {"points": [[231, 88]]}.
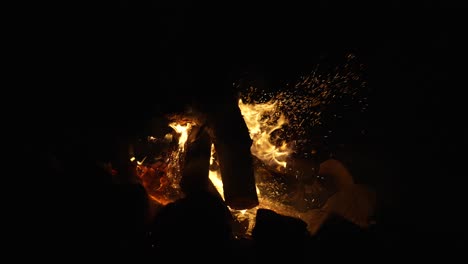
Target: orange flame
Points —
{"points": [[297, 110], [183, 130], [263, 120]]}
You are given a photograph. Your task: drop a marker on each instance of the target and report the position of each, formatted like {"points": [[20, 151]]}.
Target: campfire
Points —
{"points": [[290, 178]]}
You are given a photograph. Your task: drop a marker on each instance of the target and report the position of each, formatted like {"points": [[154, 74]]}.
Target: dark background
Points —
{"points": [[109, 62]]}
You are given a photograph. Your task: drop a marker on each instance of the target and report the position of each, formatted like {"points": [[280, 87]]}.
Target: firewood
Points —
{"points": [[195, 169]]}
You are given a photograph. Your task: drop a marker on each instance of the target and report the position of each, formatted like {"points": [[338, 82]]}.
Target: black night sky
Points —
{"points": [[112, 70]]}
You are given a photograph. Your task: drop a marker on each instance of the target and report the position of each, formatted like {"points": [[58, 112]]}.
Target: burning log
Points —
{"points": [[232, 143], [197, 162], [237, 174]]}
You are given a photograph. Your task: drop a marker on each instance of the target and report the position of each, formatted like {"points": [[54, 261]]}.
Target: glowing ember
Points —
{"points": [[161, 178]]}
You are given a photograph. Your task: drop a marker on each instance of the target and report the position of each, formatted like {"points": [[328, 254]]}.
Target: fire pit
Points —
{"points": [[291, 178]]}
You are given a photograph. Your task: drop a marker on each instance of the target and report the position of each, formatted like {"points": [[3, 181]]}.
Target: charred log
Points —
{"points": [[237, 175], [232, 143], [195, 225], [276, 235], [197, 162]]}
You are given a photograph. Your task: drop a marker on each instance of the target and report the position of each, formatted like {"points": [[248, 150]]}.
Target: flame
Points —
{"points": [[263, 120], [247, 216], [183, 131], [215, 175], [274, 121], [161, 178]]}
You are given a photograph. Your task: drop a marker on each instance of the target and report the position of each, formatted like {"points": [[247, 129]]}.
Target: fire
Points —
{"points": [[275, 122], [183, 130], [161, 178], [214, 175], [263, 120]]}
